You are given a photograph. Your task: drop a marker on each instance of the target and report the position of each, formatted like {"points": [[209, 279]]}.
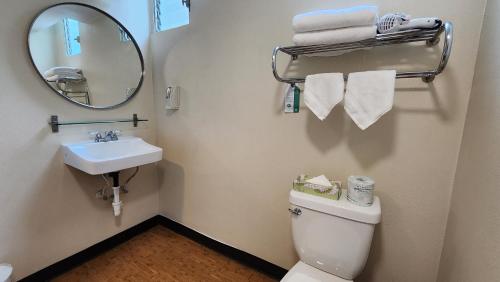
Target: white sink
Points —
{"points": [[99, 158]]}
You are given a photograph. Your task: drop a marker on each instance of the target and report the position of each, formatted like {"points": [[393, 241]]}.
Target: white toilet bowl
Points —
{"points": [[5, 272]]}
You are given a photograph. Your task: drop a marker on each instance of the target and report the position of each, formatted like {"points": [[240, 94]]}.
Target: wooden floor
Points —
{"points": [[162, 255]]}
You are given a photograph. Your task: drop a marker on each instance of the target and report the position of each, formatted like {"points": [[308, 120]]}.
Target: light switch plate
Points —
{"points": [[173, 98]]}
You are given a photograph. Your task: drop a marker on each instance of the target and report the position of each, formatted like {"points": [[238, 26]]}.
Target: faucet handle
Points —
{"points": [[112, 135], [97, 136]]}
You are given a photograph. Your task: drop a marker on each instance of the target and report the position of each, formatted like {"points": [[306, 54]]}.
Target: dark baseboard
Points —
{"points": [[79, 258], [236, 254]]}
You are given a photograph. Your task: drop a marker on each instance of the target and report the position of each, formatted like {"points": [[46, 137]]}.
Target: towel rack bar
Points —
{"points": [[427, 76], [353, 46], [430, 36], [300, 50], [55, 123]]}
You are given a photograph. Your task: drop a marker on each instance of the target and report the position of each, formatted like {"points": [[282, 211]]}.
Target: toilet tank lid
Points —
{"points": [[341, 208]]}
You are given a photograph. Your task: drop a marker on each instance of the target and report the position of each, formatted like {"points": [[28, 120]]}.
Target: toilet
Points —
{"points": [[331, 237]]}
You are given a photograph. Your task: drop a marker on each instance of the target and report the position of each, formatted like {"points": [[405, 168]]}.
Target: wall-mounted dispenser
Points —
{"points": [[173, 98]]}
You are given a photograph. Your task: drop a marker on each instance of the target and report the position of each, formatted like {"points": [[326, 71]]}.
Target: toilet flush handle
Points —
{"points": [[295, 211]]}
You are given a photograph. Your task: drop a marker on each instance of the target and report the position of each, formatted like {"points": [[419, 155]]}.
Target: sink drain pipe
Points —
{"points": [[117, 204]]}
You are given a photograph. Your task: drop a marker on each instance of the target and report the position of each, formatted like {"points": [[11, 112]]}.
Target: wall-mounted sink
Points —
{"points": [[104, 157]]}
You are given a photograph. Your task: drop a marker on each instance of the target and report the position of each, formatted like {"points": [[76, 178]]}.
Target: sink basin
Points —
{"points": [[99, 158]]}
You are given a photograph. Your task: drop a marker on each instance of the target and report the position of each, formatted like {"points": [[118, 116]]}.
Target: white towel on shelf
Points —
{"points": [[61, 71], [339, 18], [369, 95], [335, 36], [322, 92], [58, 77]]}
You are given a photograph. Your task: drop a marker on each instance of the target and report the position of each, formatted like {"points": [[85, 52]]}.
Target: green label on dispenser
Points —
{"points": [[296, 99]]}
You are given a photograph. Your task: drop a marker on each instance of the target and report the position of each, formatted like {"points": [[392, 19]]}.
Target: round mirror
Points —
{"points": [[85, 55]]}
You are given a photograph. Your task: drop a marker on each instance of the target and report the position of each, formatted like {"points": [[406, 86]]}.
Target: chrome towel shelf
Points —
{"points": [[430, 36], [55, 123]]}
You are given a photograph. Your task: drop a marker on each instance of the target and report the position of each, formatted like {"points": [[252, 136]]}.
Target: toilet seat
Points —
{"points": [[302, 272]]}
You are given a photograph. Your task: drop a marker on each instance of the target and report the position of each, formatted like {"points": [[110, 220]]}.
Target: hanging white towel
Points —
{"points": [[369, 95], [333, 19], [322, 92], [334, 36]]}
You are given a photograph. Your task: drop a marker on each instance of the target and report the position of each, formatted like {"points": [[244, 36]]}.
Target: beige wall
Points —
{"points": [[48, 210], [230, 153], [472, 243]]}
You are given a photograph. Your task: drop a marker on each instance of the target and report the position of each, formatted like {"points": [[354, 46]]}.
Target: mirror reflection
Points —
{"points": [[85, 56]]}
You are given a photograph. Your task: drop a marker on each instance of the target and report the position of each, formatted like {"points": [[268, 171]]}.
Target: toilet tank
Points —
{"points": [[333, 235]]}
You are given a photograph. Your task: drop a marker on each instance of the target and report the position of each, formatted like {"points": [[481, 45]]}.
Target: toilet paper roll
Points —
{"points": [[360, 190]]}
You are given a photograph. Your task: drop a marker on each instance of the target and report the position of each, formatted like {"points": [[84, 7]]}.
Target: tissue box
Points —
{"points": [[332, 194]]}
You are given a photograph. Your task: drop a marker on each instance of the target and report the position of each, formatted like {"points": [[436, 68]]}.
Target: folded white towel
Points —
{"points": [[57, 77], [322, 92], [339, 18], [61, 71], [334, 36], [369, 95]]}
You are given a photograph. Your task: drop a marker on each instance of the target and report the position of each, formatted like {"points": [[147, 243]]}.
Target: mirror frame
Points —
{"points": [[138, 49]]}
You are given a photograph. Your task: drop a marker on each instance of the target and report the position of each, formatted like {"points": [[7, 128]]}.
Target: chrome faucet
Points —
{"points": [[111, 135]]}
